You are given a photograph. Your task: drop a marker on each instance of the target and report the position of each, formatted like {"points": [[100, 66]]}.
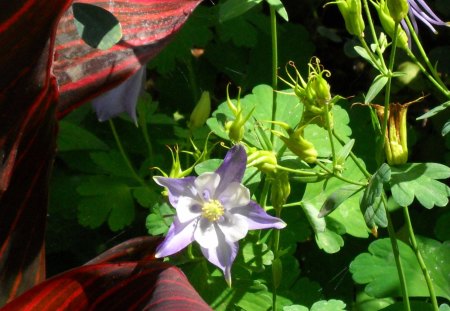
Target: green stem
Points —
{"points": [[374, 33], [273, 28], [437, 80], [354, 158], [423, 267], [398, 263], [144, 129], [326, 169], [124, 155]]}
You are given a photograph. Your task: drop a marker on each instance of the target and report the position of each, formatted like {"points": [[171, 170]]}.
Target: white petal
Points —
{"points": [[206, 185], [188, 209], [234, 195], [205, 234], [233, 227]]}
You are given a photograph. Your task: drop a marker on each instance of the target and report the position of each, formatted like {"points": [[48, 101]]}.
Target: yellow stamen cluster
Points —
{"points": [[212, 210]]}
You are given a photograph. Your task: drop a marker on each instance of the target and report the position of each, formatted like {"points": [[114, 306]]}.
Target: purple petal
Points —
{"points": [[123, 98], [232, 168], [177, 187], [179, 236], [222, 256], [257, 218]]}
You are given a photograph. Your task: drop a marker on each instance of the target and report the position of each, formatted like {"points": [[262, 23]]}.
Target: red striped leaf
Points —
{"points": [[30, 95], [108, 283], [84, 72]]}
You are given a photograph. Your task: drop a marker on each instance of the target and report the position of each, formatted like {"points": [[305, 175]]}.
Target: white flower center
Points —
{"points": [[212, 210]]}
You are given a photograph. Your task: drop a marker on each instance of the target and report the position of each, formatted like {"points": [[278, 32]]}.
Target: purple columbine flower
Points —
{"points": [[215, 210], [420, 10]]}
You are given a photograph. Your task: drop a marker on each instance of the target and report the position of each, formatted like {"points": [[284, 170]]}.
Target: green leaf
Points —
{"points": [[105, 199], [256, 256], [232, 31], [342, 155], [445, 128], [295, 308], [415, 306], [112, 163], [420, 180], [377, 85], [145, 196], [336, 198], [378, 271], [73, 137], [328, 305], [434, 111], [363, 53], [279, 7], [234, 8], [96, 26], [371, 204], [159, 221]]}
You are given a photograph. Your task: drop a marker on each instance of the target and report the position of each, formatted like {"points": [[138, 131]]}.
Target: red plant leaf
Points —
{"points": [[84, 72], [113, 286], [28, 98], [29, 95]]}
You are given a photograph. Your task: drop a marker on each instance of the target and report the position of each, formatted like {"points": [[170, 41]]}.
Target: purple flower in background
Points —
{"points": [[215, 210], [123, 98], [418, 9]]}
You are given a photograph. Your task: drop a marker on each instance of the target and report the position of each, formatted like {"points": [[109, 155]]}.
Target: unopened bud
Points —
{"points": [[236, 128], [388, 24], [280, 190], [351, 11], [301, 147], [201, 111], [398, 9], [264, 160]]}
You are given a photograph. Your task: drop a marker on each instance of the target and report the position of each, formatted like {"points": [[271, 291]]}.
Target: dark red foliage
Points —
{"points": [[109, 282], [36, 84]]}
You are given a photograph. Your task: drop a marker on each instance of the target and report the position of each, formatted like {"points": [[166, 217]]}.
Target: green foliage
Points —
{"points": [[96, 26], [377, 269], [420, 180]]}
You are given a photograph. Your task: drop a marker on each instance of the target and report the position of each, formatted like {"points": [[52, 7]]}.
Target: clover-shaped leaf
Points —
{"points": [[420, 180], [377, 268]]}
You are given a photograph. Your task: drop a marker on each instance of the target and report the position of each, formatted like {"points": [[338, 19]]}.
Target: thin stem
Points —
{"points": [[330, 134], [424, 55], [144, 129], [273, 30], [396, 252], [353, 156], [423, 267], [326, 169], [373, 32], [124, 155]]}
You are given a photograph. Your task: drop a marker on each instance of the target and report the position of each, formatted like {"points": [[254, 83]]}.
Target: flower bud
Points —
{"points": [[264, 160], [351, 11], [301, 147], [388, 24], [398, 9], [280, 190], [236, 128], [201, 111]]}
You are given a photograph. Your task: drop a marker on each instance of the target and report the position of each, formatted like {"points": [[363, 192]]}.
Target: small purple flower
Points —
{"points": [[420, 10], [215, 210]]}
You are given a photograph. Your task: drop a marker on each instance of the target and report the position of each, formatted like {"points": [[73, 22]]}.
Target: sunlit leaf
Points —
{"points": [[378, 84], [279, 8], [234, 8], [420, 181], [378, 271], [328, 305]]}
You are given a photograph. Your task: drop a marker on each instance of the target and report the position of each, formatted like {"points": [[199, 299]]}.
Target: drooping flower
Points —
{"points": [[418, 9], [215, 210]]}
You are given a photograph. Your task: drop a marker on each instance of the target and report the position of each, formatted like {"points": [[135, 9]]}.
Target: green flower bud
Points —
{"points": [[236, 128], [398, 9], [201, 111], [264, 160], [280, 189], [301, 147], [351, 11], [388, 24]]}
